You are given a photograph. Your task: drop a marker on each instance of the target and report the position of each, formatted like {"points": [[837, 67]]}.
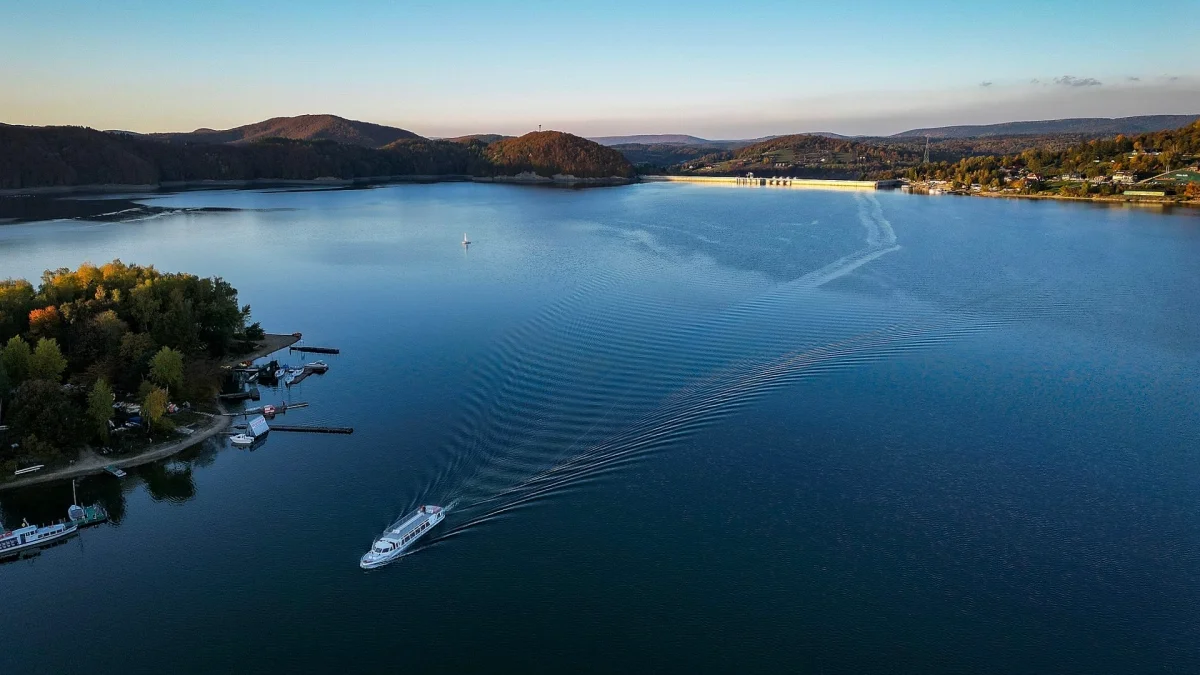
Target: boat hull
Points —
{"points": [[43, 542]]}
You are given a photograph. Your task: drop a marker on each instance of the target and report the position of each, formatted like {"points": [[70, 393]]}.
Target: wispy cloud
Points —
{"points": [[1035, 81], [1133, 79], [985, 84], [1072, 81]]}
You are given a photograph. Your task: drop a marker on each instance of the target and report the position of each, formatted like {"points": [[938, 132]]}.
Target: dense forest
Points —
{"points": [[65, 156], [547, 153], [1141, 156], [86, 337], [805, 155], [658, 157]]}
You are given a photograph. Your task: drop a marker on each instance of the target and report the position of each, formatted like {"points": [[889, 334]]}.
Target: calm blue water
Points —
{"points": [[682, 429]]}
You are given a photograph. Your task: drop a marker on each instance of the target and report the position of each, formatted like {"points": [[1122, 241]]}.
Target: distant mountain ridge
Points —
{"points": [[1098, 126], [482, 138], [653, 139], [298, 128]]}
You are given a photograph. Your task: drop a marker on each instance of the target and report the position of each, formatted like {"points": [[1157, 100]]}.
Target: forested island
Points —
{"points": [[87, 338], [311, 148]]}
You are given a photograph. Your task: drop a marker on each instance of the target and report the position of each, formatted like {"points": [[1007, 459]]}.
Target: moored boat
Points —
{"points": [[316, 366], [242, 440], [401, 535], [29, 537]]}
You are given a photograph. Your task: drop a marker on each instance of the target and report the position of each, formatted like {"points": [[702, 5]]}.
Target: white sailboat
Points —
{"points": [[466, 242]]}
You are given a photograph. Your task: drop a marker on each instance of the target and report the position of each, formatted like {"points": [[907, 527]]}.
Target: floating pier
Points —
{"points": [[316, 350], [279, 409], [240, 395], [313, 430]]}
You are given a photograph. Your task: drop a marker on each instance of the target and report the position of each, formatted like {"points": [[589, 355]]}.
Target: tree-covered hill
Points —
{"points": [[299, 128], [548, 153], [805, 155], [34, 157]]}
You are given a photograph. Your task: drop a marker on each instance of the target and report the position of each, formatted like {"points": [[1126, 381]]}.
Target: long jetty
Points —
{"points": [[316, 350], [313, 430]]}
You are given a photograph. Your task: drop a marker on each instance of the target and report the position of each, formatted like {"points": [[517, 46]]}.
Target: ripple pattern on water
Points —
{"points": [[652, 374]]}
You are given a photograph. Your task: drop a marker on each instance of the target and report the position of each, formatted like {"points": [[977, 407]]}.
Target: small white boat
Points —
{"points": [[400, 535], [317, 366], [112, 468], [466, 242], [242, 440]]}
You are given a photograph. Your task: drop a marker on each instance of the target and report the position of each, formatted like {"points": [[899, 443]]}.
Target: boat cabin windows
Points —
{"points": [[413, 535]]}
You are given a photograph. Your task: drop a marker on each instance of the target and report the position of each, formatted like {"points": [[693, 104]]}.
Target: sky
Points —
{"points": [[731, 69]]}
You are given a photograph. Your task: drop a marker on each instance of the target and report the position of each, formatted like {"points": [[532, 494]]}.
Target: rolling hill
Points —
{"points": [[547, 153], [652, 139], [1089, 126], [40, 157], [299, 128], [482, 138]]}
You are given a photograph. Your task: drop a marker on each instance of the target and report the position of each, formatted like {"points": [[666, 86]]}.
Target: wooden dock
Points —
{"points": [[313, 430], [316, 350], [240, 395]]}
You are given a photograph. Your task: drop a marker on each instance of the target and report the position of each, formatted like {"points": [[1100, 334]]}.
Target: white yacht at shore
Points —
{"points": [[29, 537], [400, 535]]}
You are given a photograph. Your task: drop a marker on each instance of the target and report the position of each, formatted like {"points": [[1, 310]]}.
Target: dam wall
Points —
{"points": [[752, 181]]}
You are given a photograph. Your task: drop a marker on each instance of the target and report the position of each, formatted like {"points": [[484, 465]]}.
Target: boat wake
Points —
{"points": [[601, 380]]}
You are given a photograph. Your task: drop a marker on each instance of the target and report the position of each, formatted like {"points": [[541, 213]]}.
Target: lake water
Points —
{"points": [[681, 429]]}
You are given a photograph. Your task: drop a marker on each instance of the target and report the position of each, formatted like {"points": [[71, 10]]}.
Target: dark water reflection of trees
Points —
{"points": [[168, 480]]}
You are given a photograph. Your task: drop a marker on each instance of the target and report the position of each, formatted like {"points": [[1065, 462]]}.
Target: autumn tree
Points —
{"points": [[154, 406], [45, 322], [16, 299]]}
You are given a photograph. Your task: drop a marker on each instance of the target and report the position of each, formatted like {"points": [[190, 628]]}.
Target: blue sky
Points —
{"points": [[717, 69]]}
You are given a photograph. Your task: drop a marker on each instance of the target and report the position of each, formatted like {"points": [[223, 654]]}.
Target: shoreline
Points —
{"points": [[89, 462], [831, 184], [525, 178]]}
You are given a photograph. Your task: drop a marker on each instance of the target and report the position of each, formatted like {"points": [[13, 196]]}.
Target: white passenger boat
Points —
{"points": [[317, 366], [29, 537], [401, 535]]}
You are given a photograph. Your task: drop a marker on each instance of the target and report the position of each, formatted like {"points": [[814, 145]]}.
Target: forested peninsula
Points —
{"points": [[324, 148], [85, 339]]}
